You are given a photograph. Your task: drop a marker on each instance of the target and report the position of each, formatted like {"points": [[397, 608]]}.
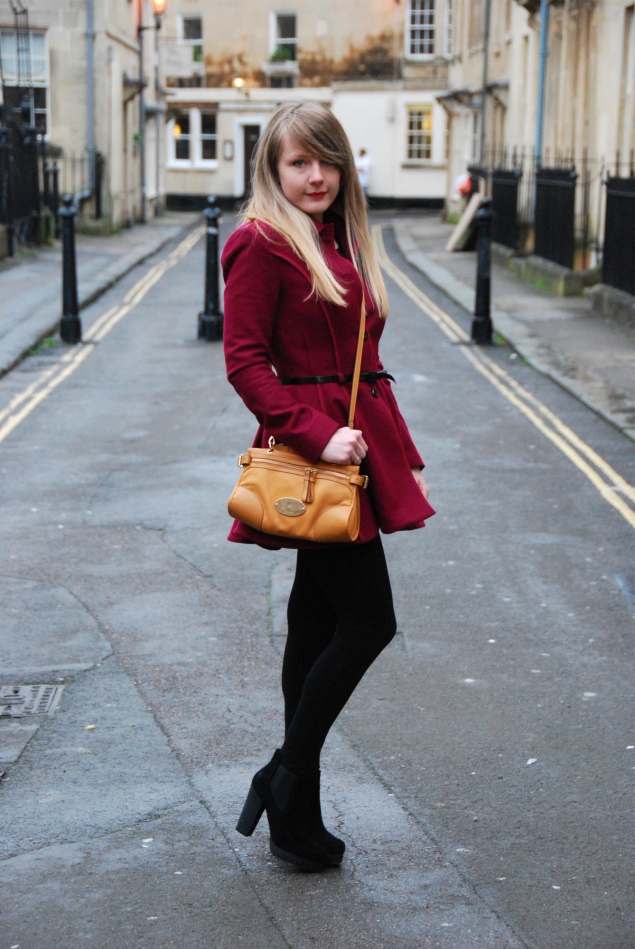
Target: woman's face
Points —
{"points": [[306, 181]]}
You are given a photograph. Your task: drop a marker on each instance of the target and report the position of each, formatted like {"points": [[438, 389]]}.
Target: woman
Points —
{"points": [[296, 272]]}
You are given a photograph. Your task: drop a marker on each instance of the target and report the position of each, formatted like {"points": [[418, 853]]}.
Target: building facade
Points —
{"points": [[587, 119], [379, 64], [80, 64]]}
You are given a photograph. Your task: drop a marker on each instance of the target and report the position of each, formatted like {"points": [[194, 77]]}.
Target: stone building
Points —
{"points": [[379, 64], [588, 116], [82, 60]]}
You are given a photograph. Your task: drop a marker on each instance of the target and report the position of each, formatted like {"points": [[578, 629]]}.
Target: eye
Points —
{"points": [[299, 163]]}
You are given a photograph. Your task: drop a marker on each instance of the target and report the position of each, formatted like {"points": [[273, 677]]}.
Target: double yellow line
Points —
{"points": [[22, 404], [612, 486]]}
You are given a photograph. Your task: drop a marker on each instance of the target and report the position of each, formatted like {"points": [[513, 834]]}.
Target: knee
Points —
{"points": [[373, 635], [388, 631]]}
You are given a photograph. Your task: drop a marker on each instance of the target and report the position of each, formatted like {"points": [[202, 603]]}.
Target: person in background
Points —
{"points": [[362, 164]]}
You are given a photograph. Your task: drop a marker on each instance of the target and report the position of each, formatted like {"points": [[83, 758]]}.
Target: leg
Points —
{"points": [[311, 626], [354, 580]]}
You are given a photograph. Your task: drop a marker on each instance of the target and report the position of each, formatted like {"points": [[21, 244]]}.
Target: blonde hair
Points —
{"points": [[312, 127]]}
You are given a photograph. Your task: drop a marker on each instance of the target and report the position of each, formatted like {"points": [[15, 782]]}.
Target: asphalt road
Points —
{"points": [[482, 773]]}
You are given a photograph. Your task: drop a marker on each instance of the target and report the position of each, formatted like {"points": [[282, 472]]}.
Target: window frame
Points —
{"points": [[207, 137], [174, 160], [181, 30], [196, 137], [43, 76], [429, 7], [277, 42], [426, 136]]}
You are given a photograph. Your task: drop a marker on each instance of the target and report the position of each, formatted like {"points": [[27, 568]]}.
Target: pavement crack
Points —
{"points": [[430, 834]]}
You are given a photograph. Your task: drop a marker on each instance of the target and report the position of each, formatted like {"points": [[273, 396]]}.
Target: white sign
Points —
{"points": [[178, 60]]}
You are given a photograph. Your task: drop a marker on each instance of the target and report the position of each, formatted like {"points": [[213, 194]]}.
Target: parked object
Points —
{"points": [[210, 321], [70, 325], [482, 322]]}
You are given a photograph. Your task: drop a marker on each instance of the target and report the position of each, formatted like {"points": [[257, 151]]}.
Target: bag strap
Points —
{"points": [[358, 366]]}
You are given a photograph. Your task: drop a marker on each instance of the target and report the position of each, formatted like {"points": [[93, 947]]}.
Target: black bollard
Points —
{"points": [[55, 197], [70, 325], [482, 322], [210, 321]]}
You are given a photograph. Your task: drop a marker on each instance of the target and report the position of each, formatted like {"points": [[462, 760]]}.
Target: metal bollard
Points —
{"points": [[70, 325], [482, 322], [210, 321], [55, 197]]}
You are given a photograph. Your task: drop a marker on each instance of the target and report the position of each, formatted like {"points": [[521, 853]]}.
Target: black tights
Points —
{"points": [[340, 617]]}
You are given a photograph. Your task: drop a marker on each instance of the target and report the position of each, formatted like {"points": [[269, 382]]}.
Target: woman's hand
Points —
{"points": [[346, 447], [421, 482]]}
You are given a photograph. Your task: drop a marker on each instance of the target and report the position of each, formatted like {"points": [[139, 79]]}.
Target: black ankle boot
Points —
{"points": [[285, 797], [333, 845]]}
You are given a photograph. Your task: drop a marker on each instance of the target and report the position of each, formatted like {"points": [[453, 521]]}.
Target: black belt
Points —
{"points": [[314, 380]]}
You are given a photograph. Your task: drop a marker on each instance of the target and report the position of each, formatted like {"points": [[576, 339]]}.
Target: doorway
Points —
{"points": [[251, 135]]}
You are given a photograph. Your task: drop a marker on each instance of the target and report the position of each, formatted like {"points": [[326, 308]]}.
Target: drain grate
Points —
{"points": [[19, 700]]}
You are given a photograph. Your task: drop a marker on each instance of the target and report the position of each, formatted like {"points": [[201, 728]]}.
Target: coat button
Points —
{"points": [[365, 335], [373, 392]]}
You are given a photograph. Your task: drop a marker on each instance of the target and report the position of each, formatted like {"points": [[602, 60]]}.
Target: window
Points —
{"points": [[282, 82], [419, 132], [285, 43], [191, 32], [208, 136], [420, 28], [192, 138], [191, 29], [181, 132], [30, 69]]}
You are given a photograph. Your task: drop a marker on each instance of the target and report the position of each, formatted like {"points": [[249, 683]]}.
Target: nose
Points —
{"points": [[316, 171]]}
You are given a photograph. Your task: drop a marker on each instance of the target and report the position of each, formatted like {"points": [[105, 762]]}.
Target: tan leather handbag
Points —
{"points": [[279, 492]]}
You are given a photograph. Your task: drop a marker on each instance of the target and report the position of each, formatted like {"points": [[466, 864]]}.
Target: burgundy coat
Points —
{"points": [[272, 320]]}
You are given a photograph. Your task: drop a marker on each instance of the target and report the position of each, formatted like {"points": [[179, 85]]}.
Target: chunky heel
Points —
{"points": [[252, 811]]}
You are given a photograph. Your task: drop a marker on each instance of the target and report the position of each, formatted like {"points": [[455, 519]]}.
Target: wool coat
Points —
{"points": [[276, 328]]}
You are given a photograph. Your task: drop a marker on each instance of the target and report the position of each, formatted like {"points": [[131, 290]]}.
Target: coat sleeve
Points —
{"points": [[252, 296]]}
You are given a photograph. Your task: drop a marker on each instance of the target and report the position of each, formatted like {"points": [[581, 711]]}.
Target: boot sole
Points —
{"points": [[302, 863]]}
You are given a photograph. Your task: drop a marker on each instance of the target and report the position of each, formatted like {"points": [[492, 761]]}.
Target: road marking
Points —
{"points": [[610, 485], [49, 379]]}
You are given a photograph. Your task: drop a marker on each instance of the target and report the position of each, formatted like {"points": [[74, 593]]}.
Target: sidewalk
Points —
{"points": [[31, 283], [561, 337]]}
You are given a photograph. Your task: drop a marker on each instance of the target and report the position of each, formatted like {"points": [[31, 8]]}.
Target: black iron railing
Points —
{"points": [[618, 266], [545, 210]]}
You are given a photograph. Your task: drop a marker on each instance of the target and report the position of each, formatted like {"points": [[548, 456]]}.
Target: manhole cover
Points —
{"points": [[19, 700]]}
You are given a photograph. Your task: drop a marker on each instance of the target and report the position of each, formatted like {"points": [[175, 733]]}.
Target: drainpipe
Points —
{"points": [[90, 84], [542, 72]]}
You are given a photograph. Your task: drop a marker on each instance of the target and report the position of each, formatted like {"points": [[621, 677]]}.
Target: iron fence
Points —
{"points": [[587, 205], [33, 177], [618, 266]]}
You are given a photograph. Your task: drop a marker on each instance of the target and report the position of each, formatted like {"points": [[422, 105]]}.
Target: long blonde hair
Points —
{"points": [[312, 127]]}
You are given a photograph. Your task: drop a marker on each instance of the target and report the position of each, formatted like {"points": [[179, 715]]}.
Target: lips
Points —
{"points": [[316, 195]]}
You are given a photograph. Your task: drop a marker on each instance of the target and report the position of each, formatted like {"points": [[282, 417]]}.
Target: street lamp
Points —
{"points": [[158, 8]]}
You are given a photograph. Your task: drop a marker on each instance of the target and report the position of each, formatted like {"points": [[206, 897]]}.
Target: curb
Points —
{"points": [[593, 393], [21, 340]]}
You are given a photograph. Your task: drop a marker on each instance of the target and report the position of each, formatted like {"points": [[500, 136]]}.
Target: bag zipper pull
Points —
{"points": [[310, 474]]}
